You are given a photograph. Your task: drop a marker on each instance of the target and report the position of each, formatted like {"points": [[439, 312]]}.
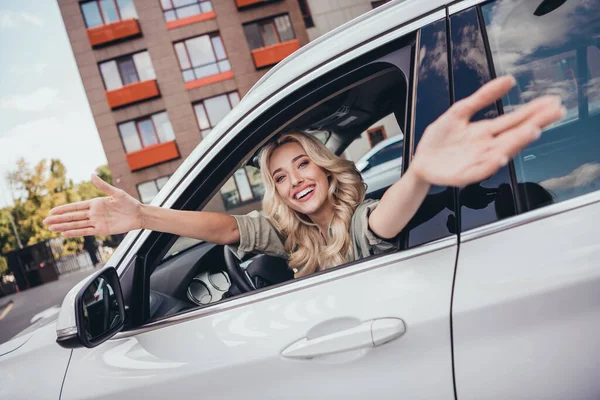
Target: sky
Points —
{"points": [[44, 112]]}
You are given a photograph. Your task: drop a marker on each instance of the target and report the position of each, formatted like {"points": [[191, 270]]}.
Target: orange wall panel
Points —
{"points": [[191, 20], [273, 54], [223, 76], [132, 93], [104, 34], [244, 3], [152, 155]]}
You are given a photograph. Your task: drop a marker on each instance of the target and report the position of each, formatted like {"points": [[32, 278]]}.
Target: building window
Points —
{"points": [[376, 135], [305, 9], [102, 12], [269, 31], [210, 111], [125, 70], [202, 56], [147, 131], [149, 189], [378, 3], [243, 187], [177, 9]]}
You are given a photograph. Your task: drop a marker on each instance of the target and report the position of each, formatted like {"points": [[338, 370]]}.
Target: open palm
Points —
{"points": [[117, 213], [456, 152]]}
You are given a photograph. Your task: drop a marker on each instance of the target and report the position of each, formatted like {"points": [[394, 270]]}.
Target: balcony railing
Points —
{"points": [[223, 76], [105, 34], [152, 155], [132, 93], [273, 54]]}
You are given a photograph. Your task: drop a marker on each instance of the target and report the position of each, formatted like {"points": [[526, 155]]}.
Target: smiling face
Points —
{"points": [[301, 184]]}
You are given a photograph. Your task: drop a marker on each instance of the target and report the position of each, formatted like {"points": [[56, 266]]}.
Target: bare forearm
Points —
{"points": [[212, 227], [398, 205]]}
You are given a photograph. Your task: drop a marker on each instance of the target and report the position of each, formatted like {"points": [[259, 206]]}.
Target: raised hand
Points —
{"points": [[456, 152], [117, 213]]}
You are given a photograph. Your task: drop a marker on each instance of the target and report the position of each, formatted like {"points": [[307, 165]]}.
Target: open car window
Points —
{"points": [[350, 122]]}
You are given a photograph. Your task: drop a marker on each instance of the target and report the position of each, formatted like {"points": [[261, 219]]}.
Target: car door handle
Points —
{"points": [[368, 334]]}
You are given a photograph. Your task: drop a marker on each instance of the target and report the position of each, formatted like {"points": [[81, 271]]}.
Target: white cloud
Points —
{"points": [[13, 19], [39, 100]]}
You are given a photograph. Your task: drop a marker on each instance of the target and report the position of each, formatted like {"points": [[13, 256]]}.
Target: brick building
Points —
{"points": [[159, 74]]}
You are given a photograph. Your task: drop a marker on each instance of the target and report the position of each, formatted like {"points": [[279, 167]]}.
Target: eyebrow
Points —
{"points": [[293, 161]]}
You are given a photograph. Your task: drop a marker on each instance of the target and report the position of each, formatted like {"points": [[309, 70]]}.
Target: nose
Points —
{"points": [[296, 179]]}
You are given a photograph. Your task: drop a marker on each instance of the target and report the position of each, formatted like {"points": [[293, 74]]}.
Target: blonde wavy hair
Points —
{"points": [[307, 251]]}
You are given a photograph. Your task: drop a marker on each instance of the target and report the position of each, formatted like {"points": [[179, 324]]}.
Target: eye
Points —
{"points": [[279, 178], [303, 164]]}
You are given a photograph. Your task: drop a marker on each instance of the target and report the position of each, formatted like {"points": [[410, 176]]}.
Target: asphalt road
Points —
{"points": [[33, 301]]}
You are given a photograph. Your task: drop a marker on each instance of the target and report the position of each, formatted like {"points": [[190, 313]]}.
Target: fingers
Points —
{"points": [[512, 141], [103, 186], [484, 96], [80, 205], [71, 217], [80, 232], [512, 119], [70, 226]]}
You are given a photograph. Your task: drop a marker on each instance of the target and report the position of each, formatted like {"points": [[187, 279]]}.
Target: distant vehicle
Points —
{"points": [[381, 166], [494, 294]]}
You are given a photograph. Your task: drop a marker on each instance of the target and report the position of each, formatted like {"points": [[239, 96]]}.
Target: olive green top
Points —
{"points": [[257, 235]]}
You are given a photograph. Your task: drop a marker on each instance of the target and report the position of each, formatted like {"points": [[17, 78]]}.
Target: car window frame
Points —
{"points": [[134, 265]]}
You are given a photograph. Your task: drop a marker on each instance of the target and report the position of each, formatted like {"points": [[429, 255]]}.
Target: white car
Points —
{"points": [[381, 166], [492, 292]]}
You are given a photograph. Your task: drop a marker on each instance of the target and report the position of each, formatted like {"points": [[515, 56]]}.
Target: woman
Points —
{"points": [[316, 215]]}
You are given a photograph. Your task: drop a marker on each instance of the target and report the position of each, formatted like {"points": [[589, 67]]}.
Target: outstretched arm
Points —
{"points": [[120, 213], [456, 152]]}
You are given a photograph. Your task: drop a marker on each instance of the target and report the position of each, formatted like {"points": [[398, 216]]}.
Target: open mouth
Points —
{"points": [[304, 194]]}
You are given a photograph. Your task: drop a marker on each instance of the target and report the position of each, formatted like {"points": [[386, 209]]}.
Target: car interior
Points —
{"points": [[196, 274]]}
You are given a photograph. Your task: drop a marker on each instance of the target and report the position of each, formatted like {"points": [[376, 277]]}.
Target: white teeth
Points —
{"points": [[304, 192]]}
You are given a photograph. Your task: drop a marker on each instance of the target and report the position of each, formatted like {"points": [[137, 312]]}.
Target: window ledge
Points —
{"points": [[248, 3], [191, 20], [270, 55], [105, 34], [152, 155], [132, 93], [223, 76]]}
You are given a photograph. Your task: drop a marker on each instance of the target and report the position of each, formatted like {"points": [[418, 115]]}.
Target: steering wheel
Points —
{"points": [[236, 273]]}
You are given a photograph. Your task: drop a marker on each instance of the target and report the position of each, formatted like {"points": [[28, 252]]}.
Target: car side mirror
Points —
{"points": [[99, 308]]}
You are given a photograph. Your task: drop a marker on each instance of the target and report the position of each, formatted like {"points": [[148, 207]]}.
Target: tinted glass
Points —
{"points": [[130, 137], [91, 14], [146, 129], [184, 61], [164, 130], [127, 9], [147, 191], [492, 199], [436, 218], [267, 30], [217, 108], [386, 154], [110, 75], [253, 36], [188, 11], [200, 50], [143, 65], [128, 72], [560, 58], [284, 28], [109, 11], [100, 310]]}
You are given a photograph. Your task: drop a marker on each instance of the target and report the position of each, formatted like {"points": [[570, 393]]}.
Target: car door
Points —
{"points": [[526, 305], [378, 327]]}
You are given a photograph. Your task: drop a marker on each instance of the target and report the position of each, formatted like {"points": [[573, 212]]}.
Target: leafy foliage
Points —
{"points": [[36, 190]]}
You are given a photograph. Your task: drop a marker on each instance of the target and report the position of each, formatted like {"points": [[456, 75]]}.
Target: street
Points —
{"points": [[33, 301]]}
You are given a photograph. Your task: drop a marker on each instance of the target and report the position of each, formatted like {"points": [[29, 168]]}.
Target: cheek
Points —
{"points": [[282, 191]]}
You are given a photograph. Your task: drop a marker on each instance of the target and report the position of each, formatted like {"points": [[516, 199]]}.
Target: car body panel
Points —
{"points": [[526, 312], [36, 369], [237, 352]]}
